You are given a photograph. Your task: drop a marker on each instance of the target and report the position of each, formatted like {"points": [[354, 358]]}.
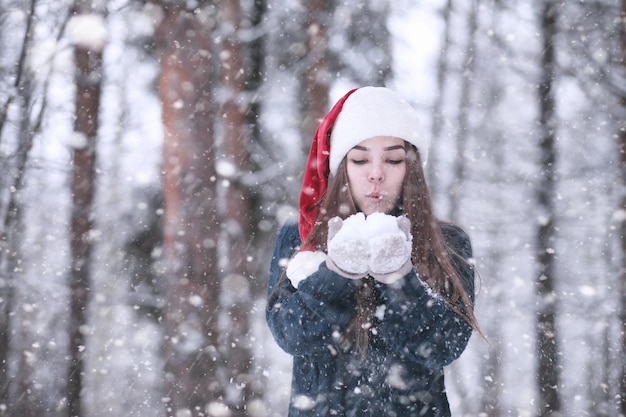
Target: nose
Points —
{"points": [[376, 174]]}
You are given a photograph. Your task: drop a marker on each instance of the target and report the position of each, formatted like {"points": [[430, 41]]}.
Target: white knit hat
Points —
{"points": [[370, 112]]}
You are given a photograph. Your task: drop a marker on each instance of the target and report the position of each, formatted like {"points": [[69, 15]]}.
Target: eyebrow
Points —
{"points": [[389, 148]]}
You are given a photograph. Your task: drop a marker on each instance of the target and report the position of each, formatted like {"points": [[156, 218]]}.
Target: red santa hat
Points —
{"points": [[360, 114]]}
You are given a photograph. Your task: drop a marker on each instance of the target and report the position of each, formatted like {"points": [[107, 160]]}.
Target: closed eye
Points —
{"points": [[359, 161], [395, 161]]}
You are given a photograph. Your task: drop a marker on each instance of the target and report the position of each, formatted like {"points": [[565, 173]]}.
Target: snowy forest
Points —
{"points": [[151, 149]]}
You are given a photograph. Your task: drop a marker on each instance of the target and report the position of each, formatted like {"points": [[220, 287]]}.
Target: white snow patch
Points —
{"points": [[77, 140], [379, 244], [88, 30]]}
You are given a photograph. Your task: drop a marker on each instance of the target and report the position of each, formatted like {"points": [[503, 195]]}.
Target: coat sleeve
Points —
{"points": [[417, 323], [303, 321]]}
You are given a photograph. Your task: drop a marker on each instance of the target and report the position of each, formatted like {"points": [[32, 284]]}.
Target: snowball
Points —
{"points": [[381, 223], [348, 247], [390, 247], [354, 226]]}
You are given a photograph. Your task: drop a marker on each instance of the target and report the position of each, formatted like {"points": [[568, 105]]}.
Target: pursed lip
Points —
{"points": [[376, 196]]}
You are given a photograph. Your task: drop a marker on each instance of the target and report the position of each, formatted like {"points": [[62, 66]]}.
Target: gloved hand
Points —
{"points": [[390, 247], [348, 251], [379, 246]]}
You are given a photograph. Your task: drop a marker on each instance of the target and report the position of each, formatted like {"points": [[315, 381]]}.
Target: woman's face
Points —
{"points": [[376, 169]]}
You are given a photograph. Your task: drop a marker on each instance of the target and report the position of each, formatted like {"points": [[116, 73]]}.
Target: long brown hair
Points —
{"points": [[430, 255]]}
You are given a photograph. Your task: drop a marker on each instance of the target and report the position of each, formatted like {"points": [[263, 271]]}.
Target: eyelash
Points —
{"points": [[390, 161], [358, 161]]}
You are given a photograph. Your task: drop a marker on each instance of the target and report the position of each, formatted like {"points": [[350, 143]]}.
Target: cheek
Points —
{"points": [[353, 176], [398, 178]]}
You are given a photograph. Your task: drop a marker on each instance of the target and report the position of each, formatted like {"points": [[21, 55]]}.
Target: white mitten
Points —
{"points": [[390, 247], [304, 264], [348, 252]]}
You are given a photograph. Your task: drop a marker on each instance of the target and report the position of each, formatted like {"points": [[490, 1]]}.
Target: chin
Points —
{"points": [[377, 209]]}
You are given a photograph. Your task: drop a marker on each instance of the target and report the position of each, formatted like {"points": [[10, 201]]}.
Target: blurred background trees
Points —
{"points": [[134, 283]]}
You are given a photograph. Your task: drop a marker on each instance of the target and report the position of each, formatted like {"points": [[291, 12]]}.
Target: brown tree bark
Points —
{"points": [[192, 357], [255, 75], [548, 366], [315, 83], [88, 60], [236, 215]]}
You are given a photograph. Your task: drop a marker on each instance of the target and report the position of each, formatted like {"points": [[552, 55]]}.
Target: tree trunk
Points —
{"points": [[622, 275], [622, 282], [184, 46], [23, 405], [315, 85], [88, 60], [256, 50], [9, 239], [491, 400], [236, 216], [463, 128], [438, 117], [548, 371]]}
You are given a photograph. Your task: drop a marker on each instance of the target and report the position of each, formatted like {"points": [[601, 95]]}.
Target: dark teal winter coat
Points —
{"points": [[413, 337]]}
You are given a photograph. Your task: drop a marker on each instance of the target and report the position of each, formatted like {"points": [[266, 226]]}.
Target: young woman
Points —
{"points": [[368, 291]]}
